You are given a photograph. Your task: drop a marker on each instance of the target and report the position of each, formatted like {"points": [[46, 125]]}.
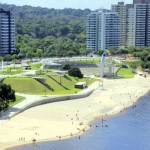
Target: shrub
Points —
{"points": [[75, 72], [66, 67], [124, 66], [6, 95]]}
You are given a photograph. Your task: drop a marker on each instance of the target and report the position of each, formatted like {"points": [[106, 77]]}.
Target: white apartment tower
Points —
{"points": [[92, 31], [130, 25], [103, 30], [7, 32], [126, 25], [120, 8], [141, 1], [109, 30], [135, 22]]}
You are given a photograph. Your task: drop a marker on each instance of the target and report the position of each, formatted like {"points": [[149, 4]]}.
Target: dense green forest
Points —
{"points": [[43, 32]]}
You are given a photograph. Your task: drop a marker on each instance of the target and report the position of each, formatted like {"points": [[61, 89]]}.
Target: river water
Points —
{"points": [[129, 130]]}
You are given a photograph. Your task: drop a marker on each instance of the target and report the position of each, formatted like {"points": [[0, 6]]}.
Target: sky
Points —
{"points": [[60, 4]]}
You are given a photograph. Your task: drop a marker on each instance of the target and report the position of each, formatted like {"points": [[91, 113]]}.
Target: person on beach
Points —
{"points": [[59, 138], [34, 140]]}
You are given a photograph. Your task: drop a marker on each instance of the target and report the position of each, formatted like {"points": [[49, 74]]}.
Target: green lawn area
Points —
{"points": [[11, 70], [36, 66], [133, 64], [126, 72], [41, 72], [67, 84], [58, 85], [27, 86], [18, 100], [90, 61]]}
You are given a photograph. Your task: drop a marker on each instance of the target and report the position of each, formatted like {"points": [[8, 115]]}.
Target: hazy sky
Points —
{"points": [[81, 4]]}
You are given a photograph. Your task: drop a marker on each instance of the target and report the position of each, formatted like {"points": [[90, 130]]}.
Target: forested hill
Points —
{"points": [[49, 32]]}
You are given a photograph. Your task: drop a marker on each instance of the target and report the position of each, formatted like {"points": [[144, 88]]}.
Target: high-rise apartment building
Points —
{"points": [[103, 30], [130, 25], [142, 24], [141, 1], [7, 32], [92, 31], [134, 25], [135, 22], [109, 30], [120, 8]]}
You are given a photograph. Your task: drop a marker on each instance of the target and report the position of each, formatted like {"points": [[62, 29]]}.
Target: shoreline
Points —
{"points": [[114, 110], [87, 128]]}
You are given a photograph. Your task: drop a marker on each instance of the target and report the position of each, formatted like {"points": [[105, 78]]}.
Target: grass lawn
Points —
{"points": [[90, 61], [18, 100], [27, 86], [61, 85], [58, 85], [126, 72], [11, 70], [36, 66], [45, 72], [67, 84], [134, 63]]}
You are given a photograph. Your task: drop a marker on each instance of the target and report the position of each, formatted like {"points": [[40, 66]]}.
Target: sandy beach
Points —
{"points": [[68, 118]]}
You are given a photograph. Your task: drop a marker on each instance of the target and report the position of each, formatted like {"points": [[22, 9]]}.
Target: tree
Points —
{"points": [[75, 72], [66, 67], [14, 56], [64, 30], [7, 94], [28, 62], [42, 32], [39, 52], [70, 53], [29, 54], [7, 57], [1, 58], [100, 52], [84, 51]]}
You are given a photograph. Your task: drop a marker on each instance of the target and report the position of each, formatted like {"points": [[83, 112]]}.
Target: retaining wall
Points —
{"points": [[79, 95]]}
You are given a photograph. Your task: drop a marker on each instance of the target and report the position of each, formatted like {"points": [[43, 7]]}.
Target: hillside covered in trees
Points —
{"points": [[43, 32]]}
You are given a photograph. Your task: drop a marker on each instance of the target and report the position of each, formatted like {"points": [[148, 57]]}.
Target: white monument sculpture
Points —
{"points": [[109, 64]]}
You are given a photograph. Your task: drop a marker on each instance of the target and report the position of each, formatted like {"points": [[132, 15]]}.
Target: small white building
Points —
{"points": [[81, 85]]}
